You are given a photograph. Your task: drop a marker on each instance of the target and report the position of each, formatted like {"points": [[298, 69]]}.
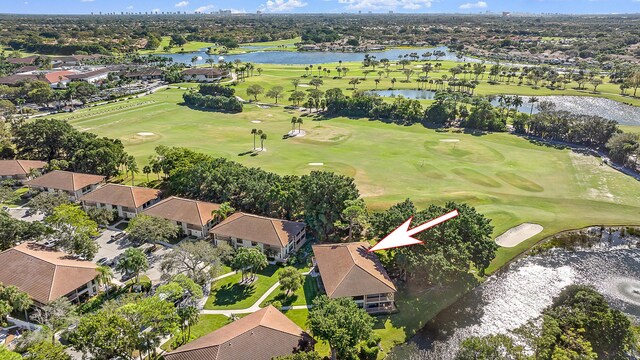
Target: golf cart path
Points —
{"points": [[256, 306], [518, 234]]}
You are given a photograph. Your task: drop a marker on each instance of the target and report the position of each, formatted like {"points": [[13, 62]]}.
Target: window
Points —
{"points": [[253, 243], [239, 241]]}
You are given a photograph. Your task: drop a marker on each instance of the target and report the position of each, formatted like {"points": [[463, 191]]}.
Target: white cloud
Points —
{"points": [[182, 4], [205, 8], [129, 7], [385, 4], [155, 10], [283, 5], [476, 5], [243, 11]]}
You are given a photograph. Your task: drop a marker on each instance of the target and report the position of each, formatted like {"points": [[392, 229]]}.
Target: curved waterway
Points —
{"points": [[519, 294], [307, 57], [609, 109]]}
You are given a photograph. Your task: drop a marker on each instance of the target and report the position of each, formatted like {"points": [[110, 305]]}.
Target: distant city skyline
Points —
{"points": [[321, 6]]}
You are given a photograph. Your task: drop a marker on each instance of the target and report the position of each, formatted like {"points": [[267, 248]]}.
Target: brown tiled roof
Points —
{"points": [[350, 270], [43, 273], [122, 195], [203, 71], [19, 167], [139, 72], [263, 335], [264, 230], [184, 210], [56, 76], [65, 180], [14, 79], [24, 60]]}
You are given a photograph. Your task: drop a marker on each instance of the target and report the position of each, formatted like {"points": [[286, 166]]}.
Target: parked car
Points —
{"points": [[103, 261], [117, 236]]}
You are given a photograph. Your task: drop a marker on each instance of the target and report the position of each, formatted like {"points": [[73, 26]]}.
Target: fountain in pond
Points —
{"points": [[517, 295]]}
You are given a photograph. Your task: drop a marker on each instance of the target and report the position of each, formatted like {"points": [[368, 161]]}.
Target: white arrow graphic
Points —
{"points": [[402, 236]]}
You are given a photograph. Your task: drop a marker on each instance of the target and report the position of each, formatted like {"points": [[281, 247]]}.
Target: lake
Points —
{"points": [[305, 57], [520, 293], [609, 109]]}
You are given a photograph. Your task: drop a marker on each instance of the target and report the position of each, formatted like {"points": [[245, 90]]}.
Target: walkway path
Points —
{"points": [[256, 306]]}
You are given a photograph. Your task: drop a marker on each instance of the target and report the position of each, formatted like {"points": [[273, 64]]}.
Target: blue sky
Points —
{"points": [[318, 6]]}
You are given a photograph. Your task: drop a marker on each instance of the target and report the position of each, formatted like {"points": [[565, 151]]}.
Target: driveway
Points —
{"points": [[21, 214], [155, 259]]}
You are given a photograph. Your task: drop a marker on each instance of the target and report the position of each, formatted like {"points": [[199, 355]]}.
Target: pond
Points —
{"points": [[609, 109], [409, 94], [521, 292], [305, 57]]}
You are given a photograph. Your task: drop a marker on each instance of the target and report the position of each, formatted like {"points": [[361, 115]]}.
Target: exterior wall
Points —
{"points": [[85, 291], [123, 212], [376, 303], [279, 254], [201, 78]]}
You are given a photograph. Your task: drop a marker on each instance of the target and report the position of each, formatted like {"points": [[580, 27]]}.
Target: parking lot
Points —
{"points": [[112, 249]]}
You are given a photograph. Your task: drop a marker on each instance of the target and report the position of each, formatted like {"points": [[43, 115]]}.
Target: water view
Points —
{"points": [[305, 57], [519, 294], [609, 109]]}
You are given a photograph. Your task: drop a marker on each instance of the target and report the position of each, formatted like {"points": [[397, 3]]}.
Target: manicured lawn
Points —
{"points": [[300, 318], [207, 324], [228, 293], [16, 200], [191, 46], [303, 296], [506, 178]]}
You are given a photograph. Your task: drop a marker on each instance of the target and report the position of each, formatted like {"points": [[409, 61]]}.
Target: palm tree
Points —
{"points": [[263, 137], [105, 275], [299, 122], [532, 100], [22, 302], [254, 132], [377, 81], [189, 316], [224, 210], [294, 121], [393, 82], [517, 103]]}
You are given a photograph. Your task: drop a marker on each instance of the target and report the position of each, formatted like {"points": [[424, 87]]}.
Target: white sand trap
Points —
{"points": [[450, 140], [518, 234], [304, 85], [270, 115], [316, 164], [256, 121], [145, 134], [296, 133]]}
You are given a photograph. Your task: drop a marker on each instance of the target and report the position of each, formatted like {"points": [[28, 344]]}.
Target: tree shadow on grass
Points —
{"points": [[268, 271], [286, 300], [229, 294]]}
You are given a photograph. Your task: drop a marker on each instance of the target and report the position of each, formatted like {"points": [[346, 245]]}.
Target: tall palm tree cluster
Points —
{"points": [[261, 135]]}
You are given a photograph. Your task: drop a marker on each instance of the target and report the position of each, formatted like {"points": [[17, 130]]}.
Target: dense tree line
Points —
{"points": [[58, 141], [318, 198], [449, 250], [216, 103], [579, 325], [588, 130], [213, 97]]}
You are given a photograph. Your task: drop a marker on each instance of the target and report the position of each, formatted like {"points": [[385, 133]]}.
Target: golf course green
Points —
{"points": [[507, 178]]}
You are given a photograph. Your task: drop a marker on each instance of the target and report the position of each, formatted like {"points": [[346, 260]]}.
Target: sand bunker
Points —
{"points": [[256, 121], [450, 140], [518, 234], [296, 133], [304, 85], [145, 134], [316, 164]]}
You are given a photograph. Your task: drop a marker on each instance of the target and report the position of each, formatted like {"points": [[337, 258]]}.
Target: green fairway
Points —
{"points": [[507, 178]]}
